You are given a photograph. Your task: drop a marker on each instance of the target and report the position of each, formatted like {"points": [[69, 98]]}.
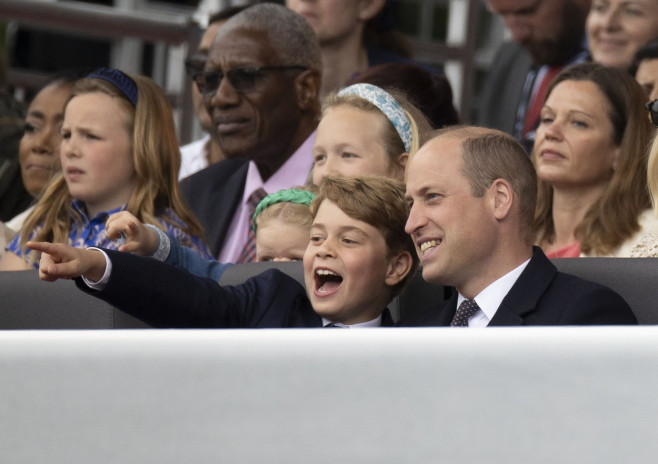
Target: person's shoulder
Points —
{"points": [[556, 281], [641, 244], [216, 171], [217, 176], [576, 284], [588, 302], [644, 243], [275, 292], [278, 278], [511, 53], [427, 316]]}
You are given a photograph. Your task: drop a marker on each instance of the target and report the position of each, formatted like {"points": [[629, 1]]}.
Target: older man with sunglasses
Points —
{"points": [[205, 151], [260, 85]]}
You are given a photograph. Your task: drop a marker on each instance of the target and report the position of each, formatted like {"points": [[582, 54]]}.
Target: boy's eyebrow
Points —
{"points": [[359, 231], [341, 229]]}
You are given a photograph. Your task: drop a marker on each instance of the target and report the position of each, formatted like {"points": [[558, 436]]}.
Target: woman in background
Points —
{"points": [[616, 29], [38, 149], [590, 157]]}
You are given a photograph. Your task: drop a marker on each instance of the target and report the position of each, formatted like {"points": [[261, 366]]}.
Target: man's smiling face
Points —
{"points": [[449, 226]]}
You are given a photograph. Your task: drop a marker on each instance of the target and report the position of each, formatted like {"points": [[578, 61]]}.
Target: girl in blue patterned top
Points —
{"points": [[119, 152]]}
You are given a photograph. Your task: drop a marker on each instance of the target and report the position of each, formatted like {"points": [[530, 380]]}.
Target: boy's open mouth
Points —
{"points": [[326, 281]]}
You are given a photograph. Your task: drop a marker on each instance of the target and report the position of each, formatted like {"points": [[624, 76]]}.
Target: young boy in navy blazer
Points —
{"points": [[358, 259]]}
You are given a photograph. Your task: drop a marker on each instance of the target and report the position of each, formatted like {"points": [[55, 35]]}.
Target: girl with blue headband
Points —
{"points": [[282, 223], [366, 130], [119, 152]]}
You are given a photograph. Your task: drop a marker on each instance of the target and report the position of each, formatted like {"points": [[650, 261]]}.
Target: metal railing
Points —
{"points": [[178, 30], [88, 20]]}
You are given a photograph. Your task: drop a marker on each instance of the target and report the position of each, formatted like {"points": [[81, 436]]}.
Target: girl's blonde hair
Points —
{"points": [[289, 205], [420, 125], [291, 213], [156, 159], [652, 172]]}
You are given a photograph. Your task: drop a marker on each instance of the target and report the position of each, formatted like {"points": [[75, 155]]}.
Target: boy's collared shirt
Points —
{"points": [[377, 322], [492, 296]]}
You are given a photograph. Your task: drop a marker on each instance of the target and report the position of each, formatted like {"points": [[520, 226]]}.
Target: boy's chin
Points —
{"points": [[326, 310]]}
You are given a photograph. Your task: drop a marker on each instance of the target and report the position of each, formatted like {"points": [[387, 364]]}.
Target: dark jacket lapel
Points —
{"points": [[524, 296], [447, 313], [214, 194]]}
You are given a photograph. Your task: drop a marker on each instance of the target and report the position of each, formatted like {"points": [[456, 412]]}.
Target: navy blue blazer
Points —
{"points": [[543, 296], [164, 296], [214, 194]]}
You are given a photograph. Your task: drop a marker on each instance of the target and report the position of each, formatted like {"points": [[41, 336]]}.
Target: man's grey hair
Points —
{"points": [[288, 32]]}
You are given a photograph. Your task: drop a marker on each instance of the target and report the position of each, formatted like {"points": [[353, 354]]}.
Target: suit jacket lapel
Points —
{"points": [[524, 295], [447, 313], [213, 194], [222, 206]]}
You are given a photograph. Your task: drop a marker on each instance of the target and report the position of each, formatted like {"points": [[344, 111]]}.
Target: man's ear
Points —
{"points": [[501, 198], [307, 88], [368, 9], [398, 268]]}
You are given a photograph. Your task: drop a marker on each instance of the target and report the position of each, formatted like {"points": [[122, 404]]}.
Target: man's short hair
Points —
{"points": [[489, 154], [375, 200], [288, 32]]}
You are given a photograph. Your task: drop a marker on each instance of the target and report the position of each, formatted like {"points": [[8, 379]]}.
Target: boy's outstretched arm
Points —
{"points": [[59, 261]]}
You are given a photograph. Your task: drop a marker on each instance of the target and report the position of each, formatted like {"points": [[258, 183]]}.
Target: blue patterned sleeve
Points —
{"points": [[15, 247], [177, 232], [192, 262]]}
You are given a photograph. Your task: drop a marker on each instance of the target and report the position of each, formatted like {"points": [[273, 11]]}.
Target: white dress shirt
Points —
{"points": [[492, 296]]}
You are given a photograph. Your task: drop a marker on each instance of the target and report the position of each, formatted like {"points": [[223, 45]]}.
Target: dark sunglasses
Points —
{"points": [[241, 79], [652, 108], [194, 64]]}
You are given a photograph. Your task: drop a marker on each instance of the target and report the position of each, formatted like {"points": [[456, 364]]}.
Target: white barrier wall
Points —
{"points": [[508, 395]]}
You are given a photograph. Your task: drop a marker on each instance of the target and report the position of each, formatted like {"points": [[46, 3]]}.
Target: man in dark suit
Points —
{"points": [[260, 85], [473, 194], [547, 36]]}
